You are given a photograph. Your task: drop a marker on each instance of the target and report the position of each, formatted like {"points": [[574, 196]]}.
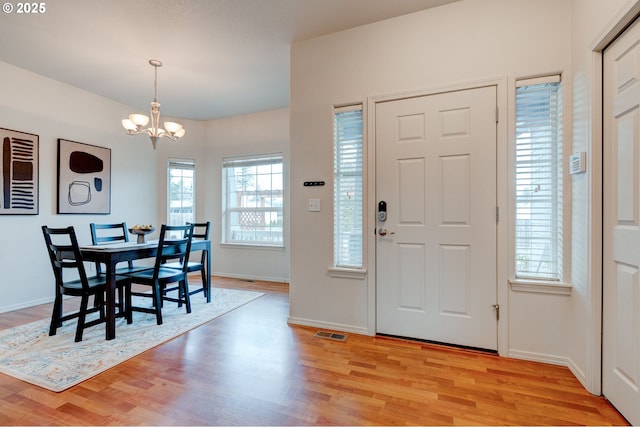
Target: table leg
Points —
{"points": [[111, 302], [208, 274]]}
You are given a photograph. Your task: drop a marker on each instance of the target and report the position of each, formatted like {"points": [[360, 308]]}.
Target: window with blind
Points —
{"points": [[538, 179], [347, 188], [181, 194], [253, 200]]}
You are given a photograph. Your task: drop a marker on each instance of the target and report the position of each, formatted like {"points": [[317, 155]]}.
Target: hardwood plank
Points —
{"points": [[249, 367]]}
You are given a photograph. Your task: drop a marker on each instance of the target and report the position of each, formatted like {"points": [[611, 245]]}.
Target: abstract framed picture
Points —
{"points": [[84, 178], [19, 173]]}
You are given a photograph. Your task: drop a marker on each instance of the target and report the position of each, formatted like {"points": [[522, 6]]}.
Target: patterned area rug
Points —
{"points": [[56, 363]]}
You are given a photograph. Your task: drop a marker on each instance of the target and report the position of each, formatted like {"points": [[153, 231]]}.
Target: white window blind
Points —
{"points": [[538, 176], [181, 192], [347, 189], [253, 200]]}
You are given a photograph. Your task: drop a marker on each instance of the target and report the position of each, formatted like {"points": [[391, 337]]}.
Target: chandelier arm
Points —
{"points": [[146, 131], [149, 132]]}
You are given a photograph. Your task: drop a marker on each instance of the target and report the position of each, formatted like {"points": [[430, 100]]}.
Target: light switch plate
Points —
{"points": [[314, 205]]}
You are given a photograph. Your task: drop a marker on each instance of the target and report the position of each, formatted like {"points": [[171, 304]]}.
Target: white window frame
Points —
{"points": [[535, 200], [230, 234], [345, 178], [176, 165]]}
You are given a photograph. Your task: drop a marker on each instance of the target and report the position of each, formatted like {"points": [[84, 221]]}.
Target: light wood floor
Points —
{"points": [[249, 367]]}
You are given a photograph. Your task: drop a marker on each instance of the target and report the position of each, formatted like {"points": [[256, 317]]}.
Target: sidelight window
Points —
{"points": [[538, 179], [348, 188]]}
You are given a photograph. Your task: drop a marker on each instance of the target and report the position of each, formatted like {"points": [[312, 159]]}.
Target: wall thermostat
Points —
{"points": [[578, 163]]}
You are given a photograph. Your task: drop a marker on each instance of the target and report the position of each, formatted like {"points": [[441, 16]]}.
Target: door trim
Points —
{"points": [[591, 377], [501, 193]]}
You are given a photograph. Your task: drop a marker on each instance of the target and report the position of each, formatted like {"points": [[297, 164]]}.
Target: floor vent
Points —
{"points": [[331, 336]]}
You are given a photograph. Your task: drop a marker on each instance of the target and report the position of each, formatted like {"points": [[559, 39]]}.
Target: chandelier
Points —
{"points": [[136, 123]]}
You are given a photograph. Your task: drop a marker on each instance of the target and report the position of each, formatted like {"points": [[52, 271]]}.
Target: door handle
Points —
{"points": [[384, 232]]}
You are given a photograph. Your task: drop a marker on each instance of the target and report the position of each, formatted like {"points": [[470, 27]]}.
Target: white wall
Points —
{"points": [[449, 46], [266, 132]]}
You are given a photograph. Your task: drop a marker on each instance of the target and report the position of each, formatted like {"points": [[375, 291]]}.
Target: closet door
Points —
{"points": [[621, 228]]}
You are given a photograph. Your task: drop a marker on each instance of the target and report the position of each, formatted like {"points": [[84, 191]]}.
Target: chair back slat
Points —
{"points": [[115, 233], [64, 253], [201, 229], [109, 233], [170, 247]]}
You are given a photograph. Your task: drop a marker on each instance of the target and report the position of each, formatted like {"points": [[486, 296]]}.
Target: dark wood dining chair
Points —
{"points": [[113, 233], [200, 231], [65, 256], [103, 234], [159, 276]]}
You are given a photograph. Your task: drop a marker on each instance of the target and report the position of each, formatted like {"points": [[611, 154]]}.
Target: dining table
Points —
{"points": [[112, 254]]}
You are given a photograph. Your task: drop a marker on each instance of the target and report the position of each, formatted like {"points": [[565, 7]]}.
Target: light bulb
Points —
{"points": [[128, 124], [139, 120], [172, 127]]}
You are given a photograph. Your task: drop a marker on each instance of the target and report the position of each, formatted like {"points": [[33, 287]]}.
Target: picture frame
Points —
{"points": [[84, 178], [19, 169]]}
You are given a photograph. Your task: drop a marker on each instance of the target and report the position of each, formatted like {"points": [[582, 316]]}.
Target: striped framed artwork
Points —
{"points": [[19, 173]]}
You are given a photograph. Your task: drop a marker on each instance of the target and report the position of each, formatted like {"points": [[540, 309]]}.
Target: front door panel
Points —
{"points": [[436, 262]]}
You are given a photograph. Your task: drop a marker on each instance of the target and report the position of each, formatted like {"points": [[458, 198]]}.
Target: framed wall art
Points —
{"points": [[84, 178], [19, 173]]}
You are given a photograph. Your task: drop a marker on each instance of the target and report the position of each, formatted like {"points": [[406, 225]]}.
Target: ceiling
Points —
{"points": [[221, 57]]}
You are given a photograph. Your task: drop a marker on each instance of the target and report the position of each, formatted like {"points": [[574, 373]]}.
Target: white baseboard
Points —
{"points": [[14, 307], [578, 373], [250, 277], [539, 357], [328, 325]]}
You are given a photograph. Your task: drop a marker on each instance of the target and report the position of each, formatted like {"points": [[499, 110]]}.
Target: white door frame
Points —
{"points": [[502, 189], [592, 377]]}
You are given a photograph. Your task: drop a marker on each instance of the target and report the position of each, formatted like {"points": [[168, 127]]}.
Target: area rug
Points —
{"points": [[28, 353]]}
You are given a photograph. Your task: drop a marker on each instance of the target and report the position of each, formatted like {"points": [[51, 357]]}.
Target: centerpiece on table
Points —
{"points": [[141, 231]]}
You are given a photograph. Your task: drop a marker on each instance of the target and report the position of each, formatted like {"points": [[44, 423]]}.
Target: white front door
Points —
{"points": [[621, 225], [436, 251]]}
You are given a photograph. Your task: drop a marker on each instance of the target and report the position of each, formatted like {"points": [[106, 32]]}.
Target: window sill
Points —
{"points": [[348, 273], [541, 287], [250, 246]]}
